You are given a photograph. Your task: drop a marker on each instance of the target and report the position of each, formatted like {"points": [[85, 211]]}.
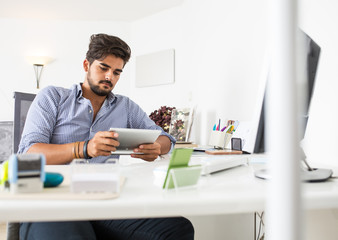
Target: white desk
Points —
{"points": [[228, 192]]}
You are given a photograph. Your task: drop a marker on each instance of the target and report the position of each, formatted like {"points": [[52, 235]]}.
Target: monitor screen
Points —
{"points": [[312, 58]]}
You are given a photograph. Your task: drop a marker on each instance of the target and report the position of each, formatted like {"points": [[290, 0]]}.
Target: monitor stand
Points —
{"points": [[308, 174]]}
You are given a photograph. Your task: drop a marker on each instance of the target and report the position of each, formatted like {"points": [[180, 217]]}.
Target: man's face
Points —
{"points": [[102, 75]]}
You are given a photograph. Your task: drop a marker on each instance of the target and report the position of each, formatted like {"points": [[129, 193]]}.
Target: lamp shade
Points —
{"points": [[39, 60]]}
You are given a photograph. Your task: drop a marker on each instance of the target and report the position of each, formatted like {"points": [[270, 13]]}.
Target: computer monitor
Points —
{"points": [[312, 59]]}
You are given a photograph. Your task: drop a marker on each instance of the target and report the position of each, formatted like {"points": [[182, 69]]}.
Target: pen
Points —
{"points": [[219, 124], [230, 129], [224, 128], [227, 128], [214, 127]]}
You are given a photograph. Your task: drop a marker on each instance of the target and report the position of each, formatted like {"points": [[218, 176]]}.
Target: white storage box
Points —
{"points": [[95, 177]]}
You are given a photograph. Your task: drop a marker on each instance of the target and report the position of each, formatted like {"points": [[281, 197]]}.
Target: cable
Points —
{"points": [[261, 226]]}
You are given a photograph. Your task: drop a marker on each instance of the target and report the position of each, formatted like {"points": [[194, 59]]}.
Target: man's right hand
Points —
{"points": [[102, 144]]}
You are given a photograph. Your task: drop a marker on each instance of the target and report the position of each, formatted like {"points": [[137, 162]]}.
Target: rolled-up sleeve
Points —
{"points": [[41, 119]]}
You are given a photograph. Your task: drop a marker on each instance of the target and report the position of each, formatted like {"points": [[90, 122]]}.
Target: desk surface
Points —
{"points": [[228, 192]]}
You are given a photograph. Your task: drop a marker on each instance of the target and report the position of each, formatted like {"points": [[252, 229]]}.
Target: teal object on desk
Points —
{"points": [[52, 180]]}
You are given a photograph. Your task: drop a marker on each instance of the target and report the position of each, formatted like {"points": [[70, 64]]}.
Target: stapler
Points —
{"points": [[26, 173]]}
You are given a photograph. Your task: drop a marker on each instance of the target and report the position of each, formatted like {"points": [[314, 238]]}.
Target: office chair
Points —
{"points": [[22, 102]]}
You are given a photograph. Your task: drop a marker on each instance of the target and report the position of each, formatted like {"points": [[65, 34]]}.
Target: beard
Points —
{"points": [[96, 88]]}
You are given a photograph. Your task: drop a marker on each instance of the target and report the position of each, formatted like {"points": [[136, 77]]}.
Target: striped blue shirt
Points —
{"points": [[59, 115]]}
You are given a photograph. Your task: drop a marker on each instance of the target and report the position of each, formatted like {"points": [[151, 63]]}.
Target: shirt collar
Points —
{"points": [[111, 97], [78, 89]]}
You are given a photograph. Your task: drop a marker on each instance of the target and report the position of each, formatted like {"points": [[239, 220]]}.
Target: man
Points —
{"points": [[64, 124]]}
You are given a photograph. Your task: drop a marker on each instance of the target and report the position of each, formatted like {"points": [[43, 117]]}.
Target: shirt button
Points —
{"points": [[90, 111]]}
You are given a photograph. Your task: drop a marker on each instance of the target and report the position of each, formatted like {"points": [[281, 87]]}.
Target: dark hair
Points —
{"points": [[101, 45]]}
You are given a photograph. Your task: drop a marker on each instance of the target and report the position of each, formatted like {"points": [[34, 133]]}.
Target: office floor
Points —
{"points": [[2, 230]]}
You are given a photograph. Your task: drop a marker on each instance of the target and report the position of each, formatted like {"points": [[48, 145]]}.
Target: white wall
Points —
{"points": [[65, 41], [219, 52]]}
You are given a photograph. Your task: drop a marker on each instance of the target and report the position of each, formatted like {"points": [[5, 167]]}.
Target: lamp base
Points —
{"points": [[38, 70]]}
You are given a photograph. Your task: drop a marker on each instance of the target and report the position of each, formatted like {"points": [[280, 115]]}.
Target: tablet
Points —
{"points": [[131, 138]]}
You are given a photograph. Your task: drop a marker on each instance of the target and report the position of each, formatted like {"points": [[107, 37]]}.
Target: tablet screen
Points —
{"points": [[131, 138]]}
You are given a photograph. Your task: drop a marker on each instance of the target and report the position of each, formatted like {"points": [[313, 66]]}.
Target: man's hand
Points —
{"points": [[151, 151], [102, 144]]}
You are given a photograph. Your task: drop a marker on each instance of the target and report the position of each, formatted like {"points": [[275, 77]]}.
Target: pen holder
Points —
{"points": [[219, 139]]}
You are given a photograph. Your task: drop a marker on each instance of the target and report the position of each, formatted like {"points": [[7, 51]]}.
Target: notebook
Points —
{"points": [[131, 138]]}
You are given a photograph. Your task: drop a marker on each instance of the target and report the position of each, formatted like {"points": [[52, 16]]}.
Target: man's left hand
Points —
{"points": [[150, 151]]}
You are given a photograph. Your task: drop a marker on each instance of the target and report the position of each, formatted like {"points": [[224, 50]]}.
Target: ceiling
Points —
{"points": [[91, 10]]}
